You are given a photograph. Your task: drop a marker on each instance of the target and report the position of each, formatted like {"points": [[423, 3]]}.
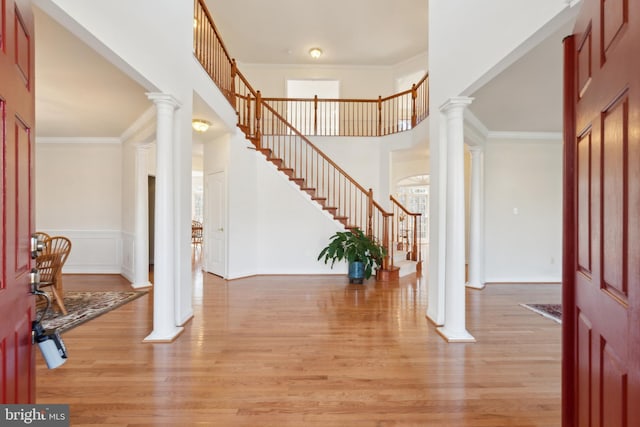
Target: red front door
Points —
{"points": [[17, 116], [601, 368]]}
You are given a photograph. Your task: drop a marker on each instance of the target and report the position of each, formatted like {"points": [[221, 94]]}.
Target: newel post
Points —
{"points": [[414, 115], [386, 240], [370, 213], [414, 249], [258, 120], [234, 73]]}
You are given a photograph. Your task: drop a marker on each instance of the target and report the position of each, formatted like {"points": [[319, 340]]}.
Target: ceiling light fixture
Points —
{"points": [[315, 52], [200, 125]]}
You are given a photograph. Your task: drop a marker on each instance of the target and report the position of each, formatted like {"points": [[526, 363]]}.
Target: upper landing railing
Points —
{"points": [[314, 116]]}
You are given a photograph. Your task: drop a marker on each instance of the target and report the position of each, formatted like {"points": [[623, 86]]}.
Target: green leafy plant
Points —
{"points": [[354, 246]]}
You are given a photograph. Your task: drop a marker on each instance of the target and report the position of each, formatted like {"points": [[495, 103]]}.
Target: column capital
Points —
{"points": [[475, 149], [456, 102], [160, 98]]}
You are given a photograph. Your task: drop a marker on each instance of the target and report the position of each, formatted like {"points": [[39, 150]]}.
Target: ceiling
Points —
{"points": [[80, 94], [527, 96], [352, 32]]}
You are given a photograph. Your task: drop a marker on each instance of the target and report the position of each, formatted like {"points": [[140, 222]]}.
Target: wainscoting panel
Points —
{"points": [[92, 251]]}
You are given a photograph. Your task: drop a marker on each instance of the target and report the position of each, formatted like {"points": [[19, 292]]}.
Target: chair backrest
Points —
{"points": [[48, 266], [58, 245]]}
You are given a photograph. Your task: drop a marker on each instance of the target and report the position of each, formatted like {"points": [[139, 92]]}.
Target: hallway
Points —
{"points": [[312, 350]]}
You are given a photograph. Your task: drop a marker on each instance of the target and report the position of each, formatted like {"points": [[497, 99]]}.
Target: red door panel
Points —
{"points": [[601, 364], [17, 116]]}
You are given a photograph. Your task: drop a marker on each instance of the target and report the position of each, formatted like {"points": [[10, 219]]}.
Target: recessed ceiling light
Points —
{"points": [[315, 52]]}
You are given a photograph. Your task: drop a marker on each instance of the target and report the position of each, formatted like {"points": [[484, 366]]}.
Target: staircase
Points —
{"points": [[293, 154]]}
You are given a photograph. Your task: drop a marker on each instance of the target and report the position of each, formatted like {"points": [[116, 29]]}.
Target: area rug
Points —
{"points": [[550, 311], [84, 306]]}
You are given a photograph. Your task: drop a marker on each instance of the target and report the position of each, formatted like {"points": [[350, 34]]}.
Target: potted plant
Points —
{"points": [[362, 253]]}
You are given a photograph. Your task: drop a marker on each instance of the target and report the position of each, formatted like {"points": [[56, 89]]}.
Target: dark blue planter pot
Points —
{"points": [[356, 272]]}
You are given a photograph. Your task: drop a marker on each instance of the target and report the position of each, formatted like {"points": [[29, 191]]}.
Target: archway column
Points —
{"points": [[476, 280], [141, 240], [164, 318], [454, 328]]}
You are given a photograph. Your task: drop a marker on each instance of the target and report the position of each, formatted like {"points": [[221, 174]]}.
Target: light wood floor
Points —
{"points": [[312, 351]]}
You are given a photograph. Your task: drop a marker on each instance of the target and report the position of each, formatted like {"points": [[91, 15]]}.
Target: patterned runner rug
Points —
{"points": [[84, 306], [551, 311]]}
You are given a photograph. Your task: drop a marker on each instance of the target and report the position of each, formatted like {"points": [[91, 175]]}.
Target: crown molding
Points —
{"points": [[77, 140], [475, 132], [145, 120]]}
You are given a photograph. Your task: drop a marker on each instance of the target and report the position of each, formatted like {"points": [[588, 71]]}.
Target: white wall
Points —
{"points": [[78, 195], [366, 82], [355, 82], [523, 210], [292, 230], [268, 217]]}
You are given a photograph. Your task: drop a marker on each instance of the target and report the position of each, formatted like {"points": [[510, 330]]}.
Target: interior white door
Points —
{"points": [[215, 246]]}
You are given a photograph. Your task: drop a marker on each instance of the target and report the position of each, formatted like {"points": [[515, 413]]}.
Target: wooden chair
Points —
{"points": [[49, 267], [196, 233], [62, 246]]}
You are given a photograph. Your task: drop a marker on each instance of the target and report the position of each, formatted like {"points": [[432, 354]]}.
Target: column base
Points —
{"points": [[474, 285], [454, 337], [186, 319], [141, 285], [166, 337]]}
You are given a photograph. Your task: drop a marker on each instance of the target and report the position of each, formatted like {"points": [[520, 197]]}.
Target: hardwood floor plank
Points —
{"points": [[312, 350]]}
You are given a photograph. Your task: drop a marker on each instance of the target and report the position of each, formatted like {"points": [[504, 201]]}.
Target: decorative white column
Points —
{"points": [[475, 218], [141, 239], [454, 329], [437, 217], [164, 324]]}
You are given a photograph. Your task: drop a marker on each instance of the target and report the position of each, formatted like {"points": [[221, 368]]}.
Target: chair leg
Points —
{"points": [[58, 300]]}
